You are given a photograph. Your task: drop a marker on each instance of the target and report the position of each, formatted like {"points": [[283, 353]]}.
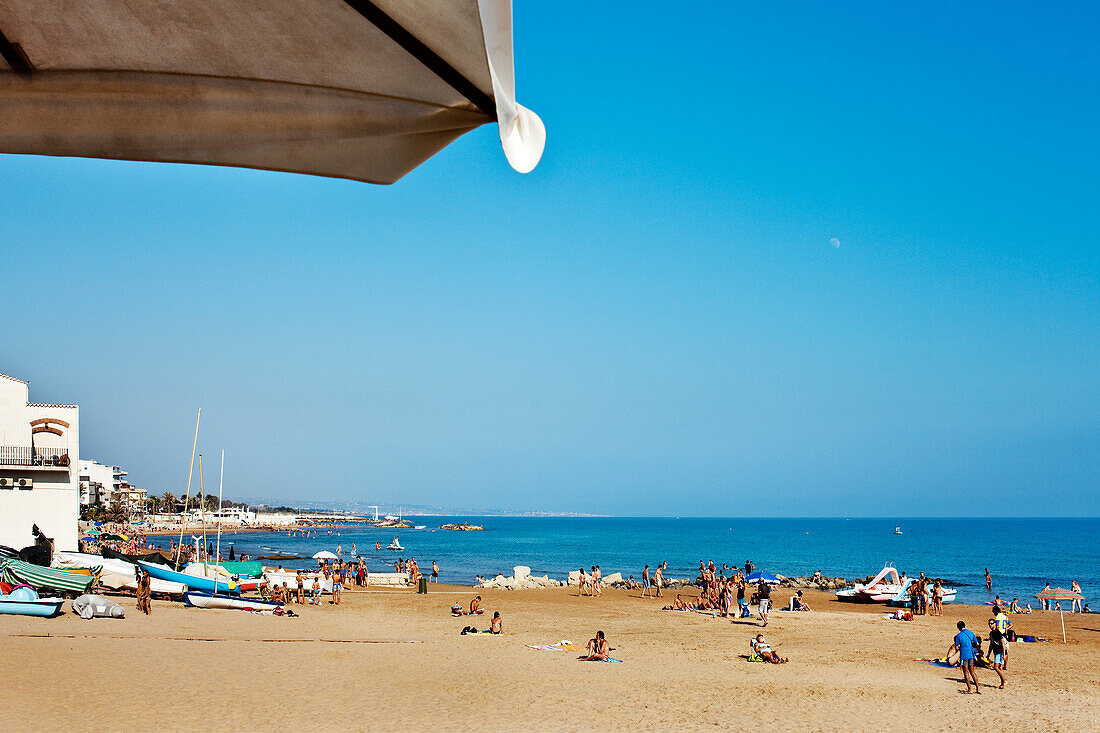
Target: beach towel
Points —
{"points": [[937, 663], [561, 646]]}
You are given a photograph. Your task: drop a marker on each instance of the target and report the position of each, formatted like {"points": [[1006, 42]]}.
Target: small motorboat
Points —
{"points": [[897, 530], [395, 545], [23, 600], [421, 526], [203, 599]]}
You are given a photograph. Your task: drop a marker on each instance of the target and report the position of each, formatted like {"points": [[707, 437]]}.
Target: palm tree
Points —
{"points": [[168, 499]]}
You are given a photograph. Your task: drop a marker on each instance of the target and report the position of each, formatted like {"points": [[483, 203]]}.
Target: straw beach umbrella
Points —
{"points": [[359, 89], [1059, 594]]}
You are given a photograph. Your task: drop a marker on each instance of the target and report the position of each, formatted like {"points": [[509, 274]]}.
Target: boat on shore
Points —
{"points": [[290, 577], [191, 581], [203, 599], [883, 587], [23, 600]]}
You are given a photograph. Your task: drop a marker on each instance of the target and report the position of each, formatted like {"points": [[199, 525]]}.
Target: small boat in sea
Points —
{"points": [[395, 545], [23, 600], [202, 599], [897, 530], [421, 526]]}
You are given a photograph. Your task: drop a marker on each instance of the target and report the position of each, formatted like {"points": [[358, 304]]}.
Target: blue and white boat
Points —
{"points": [[24, 601], [193, 582]]}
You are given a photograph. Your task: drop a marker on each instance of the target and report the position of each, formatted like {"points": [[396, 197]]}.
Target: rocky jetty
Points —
{"points": [[464, 527], [815, 582], [521, 579]]}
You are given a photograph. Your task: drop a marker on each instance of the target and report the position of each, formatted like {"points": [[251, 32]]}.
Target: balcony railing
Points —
{"points": [[34, 458]]}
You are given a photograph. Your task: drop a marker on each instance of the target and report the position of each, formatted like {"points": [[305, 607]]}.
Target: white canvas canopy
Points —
{"points": [[360, 89]]}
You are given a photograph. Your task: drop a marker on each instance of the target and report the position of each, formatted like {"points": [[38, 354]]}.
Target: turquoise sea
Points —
{"points": [[1021, 554]]}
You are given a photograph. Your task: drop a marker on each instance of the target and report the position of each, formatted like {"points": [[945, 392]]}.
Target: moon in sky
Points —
{"points": [[835, 242]]}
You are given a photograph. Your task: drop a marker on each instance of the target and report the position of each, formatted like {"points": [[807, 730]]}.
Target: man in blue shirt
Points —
{"points": [[966, 644]]}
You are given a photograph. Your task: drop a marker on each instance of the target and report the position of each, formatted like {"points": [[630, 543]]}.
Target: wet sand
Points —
{"points": [[394, 659]]}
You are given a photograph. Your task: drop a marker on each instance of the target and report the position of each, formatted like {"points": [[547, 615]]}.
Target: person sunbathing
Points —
{"points": [[764, 650], [495, 626], [475, 606], [798, 604], [457, 609], [677, 605], [598, 649]]}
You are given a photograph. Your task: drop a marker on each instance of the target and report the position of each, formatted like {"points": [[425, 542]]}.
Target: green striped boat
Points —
{"points": [[16, 572]]}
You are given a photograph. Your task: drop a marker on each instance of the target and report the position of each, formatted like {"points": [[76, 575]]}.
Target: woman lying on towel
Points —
{"points": [[764, 650], [598, 649]]}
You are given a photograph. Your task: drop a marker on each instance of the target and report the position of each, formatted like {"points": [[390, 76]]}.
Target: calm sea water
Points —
{"points": [[1021, 554]]}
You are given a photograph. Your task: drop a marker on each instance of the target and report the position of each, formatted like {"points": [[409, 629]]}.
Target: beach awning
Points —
{"points": [[1059, 594], [360, 89]]}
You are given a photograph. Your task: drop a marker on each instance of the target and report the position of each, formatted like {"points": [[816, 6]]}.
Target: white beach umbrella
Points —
{"points": [[324, 555], [360, 89]]}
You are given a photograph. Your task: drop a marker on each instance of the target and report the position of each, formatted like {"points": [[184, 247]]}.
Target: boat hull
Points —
{"points": [[200, 599], [192, 582], [44, 607]]}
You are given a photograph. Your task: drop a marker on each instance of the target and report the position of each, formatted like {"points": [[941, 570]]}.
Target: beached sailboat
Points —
{"points": [[202, 599], [115, 574], [290, 577], [23, 600]]}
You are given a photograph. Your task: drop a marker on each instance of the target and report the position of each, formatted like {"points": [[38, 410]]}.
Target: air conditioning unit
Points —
{"points": [[7, 483], [24, 483]]}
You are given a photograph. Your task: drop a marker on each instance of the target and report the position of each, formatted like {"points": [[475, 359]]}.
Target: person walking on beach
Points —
{"points": [[597, 578], [966, 644], [997, 644], [645, 581], [144, 593], [658, 580], [741, 605], [582, 583], [299, 598], [765, 592], [1076, 606], [435, 571]]}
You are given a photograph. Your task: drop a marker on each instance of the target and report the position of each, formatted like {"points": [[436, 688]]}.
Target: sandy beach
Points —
{"points": [[396, 659]]}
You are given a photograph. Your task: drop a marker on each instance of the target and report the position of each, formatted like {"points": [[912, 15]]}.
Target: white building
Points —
{"points": [[39, 460], [100, 483]]}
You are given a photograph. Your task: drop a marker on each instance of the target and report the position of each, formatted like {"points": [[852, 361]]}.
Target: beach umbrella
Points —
{"points": [[113, 537], [324, 555], [359, 89], [760, 575], [94, 532], [1059, 594]]}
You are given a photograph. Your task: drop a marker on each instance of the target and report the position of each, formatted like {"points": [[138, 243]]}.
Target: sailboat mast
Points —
{"points": [[190, 473], [202, 511], [218, 552]]}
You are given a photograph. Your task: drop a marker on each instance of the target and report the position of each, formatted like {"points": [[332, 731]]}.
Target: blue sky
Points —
{"points": [[655, 320]]}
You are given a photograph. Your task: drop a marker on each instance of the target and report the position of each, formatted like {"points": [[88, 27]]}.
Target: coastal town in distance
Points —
{"points": [[487, 366]]}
